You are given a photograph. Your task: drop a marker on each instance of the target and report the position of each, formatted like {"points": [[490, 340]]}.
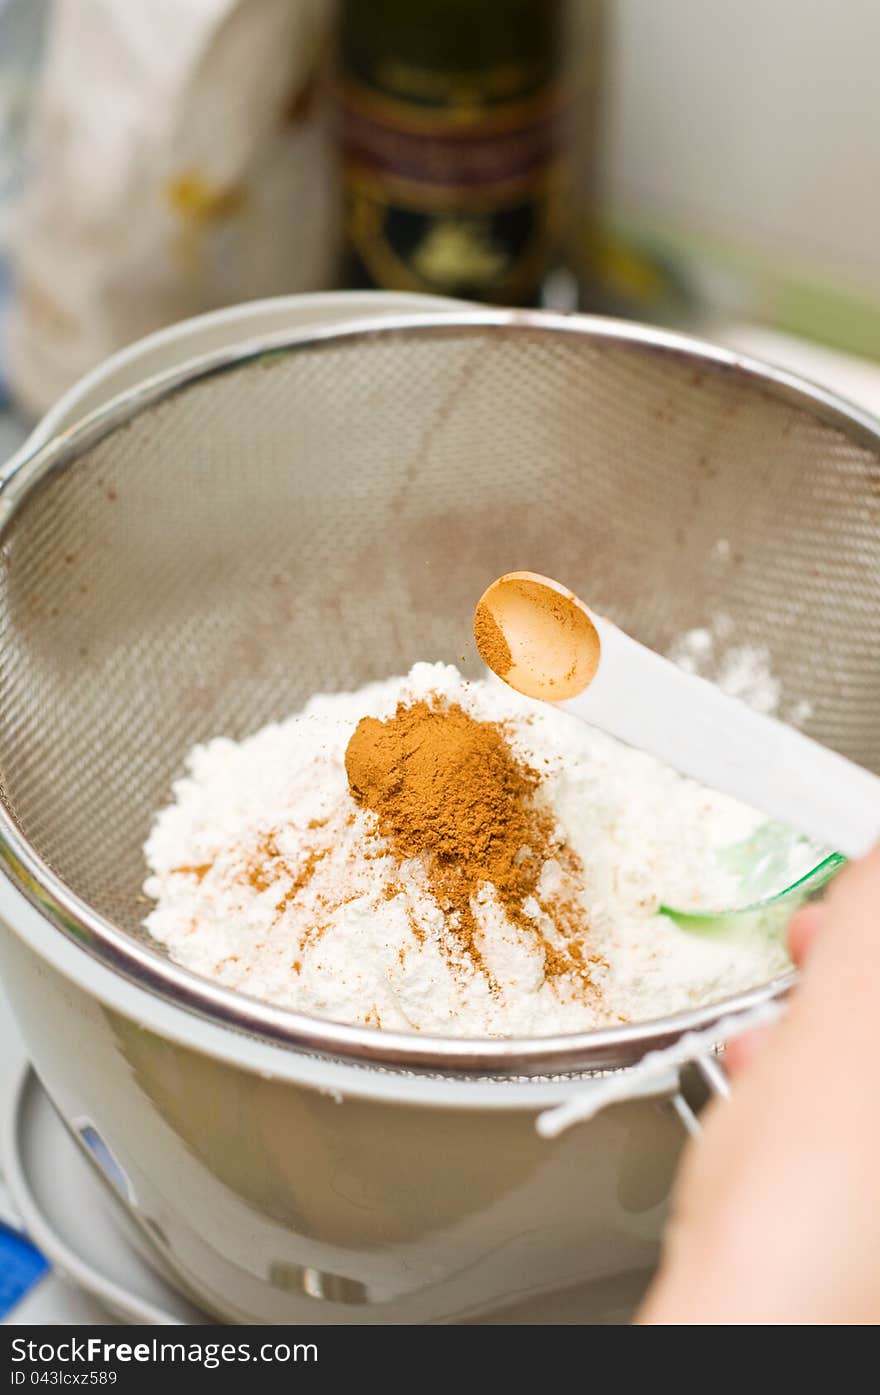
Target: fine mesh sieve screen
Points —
{"points": [[318, 517]]}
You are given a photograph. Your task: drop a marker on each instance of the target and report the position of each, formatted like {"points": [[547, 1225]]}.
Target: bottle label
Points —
{"points": [[461, 199]]}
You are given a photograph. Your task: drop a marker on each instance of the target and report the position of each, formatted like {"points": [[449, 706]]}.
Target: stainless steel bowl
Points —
{"points": [[312, 510]]}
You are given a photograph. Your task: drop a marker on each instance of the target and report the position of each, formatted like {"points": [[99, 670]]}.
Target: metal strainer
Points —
{"points": [[323, 508]]}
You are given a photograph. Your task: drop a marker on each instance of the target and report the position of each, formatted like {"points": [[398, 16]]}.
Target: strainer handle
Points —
{"points": [[696, 1049], [712, 1074]]}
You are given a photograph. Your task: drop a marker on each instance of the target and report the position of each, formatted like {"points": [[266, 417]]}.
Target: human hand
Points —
{"points": [[776, 1216]]}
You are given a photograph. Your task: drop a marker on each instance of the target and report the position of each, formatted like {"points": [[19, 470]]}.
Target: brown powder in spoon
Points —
{"points": [[491, 644]]}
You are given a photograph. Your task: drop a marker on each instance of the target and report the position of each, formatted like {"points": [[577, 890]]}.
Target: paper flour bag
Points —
{"points": [[181, 160]]}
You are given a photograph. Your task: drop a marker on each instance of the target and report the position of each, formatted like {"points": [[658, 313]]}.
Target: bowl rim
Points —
{"points": [[98, 936]]}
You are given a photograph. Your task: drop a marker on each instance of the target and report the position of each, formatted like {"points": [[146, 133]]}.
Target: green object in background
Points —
{"points": [[649, 270]]}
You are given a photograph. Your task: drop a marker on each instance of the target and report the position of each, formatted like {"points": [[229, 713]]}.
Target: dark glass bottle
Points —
{"points": [[451, 115]]}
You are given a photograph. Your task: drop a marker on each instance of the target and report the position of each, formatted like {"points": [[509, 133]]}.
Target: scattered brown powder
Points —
{"points": [[301, 878], [447, 789], [491, 643], [418, 931], [267, 867], [200, 872], [261, 870]]}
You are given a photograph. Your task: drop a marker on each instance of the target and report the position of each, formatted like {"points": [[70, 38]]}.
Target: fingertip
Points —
{"points": [[740, 1052], [803, 928]]}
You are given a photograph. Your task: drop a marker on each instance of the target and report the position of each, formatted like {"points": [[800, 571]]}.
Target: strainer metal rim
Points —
{"points": [[100, 938]]}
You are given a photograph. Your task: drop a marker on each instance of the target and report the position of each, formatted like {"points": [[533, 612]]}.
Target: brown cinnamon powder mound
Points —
{"points": [[442, 782], [448, 789]]}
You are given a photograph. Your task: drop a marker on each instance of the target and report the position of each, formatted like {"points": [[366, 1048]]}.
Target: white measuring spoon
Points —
{"points": [[544, 642]]}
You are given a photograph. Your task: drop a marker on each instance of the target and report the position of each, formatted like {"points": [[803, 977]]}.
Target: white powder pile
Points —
{"points": [[269, 878], [741, 670]]}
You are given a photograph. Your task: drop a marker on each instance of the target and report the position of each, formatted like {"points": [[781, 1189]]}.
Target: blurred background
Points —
{"points": [[692, 163]]}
